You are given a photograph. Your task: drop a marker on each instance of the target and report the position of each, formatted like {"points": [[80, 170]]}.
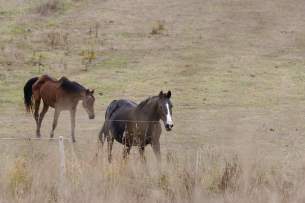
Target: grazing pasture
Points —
{"points": [[236, 72]]}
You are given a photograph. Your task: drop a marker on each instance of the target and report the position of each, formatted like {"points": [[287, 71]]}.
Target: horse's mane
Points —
{"points": [[146, 101], [70, 86]]}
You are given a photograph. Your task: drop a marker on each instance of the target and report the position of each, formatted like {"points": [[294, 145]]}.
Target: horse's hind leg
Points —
{"points": [[55, 119], [110, 140], [36, 116], [43, 112]]}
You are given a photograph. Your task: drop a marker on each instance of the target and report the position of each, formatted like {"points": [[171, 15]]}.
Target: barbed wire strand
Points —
{"points": [[68, 139]]}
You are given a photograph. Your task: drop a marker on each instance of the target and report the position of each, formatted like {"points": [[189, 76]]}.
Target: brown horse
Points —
{"points": [[131, 124], [61, 94]]}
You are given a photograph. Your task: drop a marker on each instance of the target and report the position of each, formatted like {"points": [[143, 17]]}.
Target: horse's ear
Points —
{"points": [[161, 94], [169, 94]]}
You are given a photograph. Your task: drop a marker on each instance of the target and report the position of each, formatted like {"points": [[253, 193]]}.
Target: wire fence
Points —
{"points": [[30, 138], [41, 138], [84, 143], [88, 141], [132, 121]]}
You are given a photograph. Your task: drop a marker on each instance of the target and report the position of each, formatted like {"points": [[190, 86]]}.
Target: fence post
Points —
{"points": [[198, 160], [62, 171]]}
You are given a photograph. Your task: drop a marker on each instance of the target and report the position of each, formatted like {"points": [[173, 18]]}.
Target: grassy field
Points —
{"points": [[236, 71]]}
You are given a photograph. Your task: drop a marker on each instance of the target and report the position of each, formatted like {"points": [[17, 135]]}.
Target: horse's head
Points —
{"points": [[165, 109], [88, 103]]}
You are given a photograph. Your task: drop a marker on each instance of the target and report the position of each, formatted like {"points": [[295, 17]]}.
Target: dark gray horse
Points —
{"points": [[137, 125]]}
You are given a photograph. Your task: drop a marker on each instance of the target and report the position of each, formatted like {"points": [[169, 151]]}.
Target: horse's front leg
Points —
{"points": [[126, 151], [127, 140], [154, 133], [141, 147], [73, 113], [55, 119], [141, 151], [156, 148]]}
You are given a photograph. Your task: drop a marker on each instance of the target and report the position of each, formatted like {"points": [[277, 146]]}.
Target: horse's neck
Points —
{"points": [[77, 97], [148, 112], [80, 96]]}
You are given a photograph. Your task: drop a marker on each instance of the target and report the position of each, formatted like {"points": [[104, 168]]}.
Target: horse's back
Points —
{"points": [[116, 116], [118, 105], [41, 80], [46, 88]]}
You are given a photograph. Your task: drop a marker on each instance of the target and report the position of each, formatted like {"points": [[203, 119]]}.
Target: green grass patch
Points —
{"points": [[115, 62]]}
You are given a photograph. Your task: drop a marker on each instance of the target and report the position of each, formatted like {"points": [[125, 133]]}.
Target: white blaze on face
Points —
{"points": [[169, 120]]}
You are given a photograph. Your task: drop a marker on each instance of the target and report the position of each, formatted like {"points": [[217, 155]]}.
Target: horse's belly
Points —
{"points": [[134, 142]]}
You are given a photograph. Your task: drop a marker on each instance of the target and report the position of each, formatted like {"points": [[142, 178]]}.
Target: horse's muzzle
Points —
{"points": [[91, 117], [169, 127]]}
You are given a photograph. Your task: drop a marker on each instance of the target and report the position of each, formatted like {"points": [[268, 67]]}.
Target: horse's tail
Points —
{"points": [[105, 129], [113, 106], [28, 92]]}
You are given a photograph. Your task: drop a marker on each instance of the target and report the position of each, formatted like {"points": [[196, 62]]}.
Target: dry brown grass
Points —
{"points": [[236, 70], [198, 175]]}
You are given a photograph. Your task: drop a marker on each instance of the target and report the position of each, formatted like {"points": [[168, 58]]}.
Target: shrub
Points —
{"points": [[157, 28], [50, 7]]}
